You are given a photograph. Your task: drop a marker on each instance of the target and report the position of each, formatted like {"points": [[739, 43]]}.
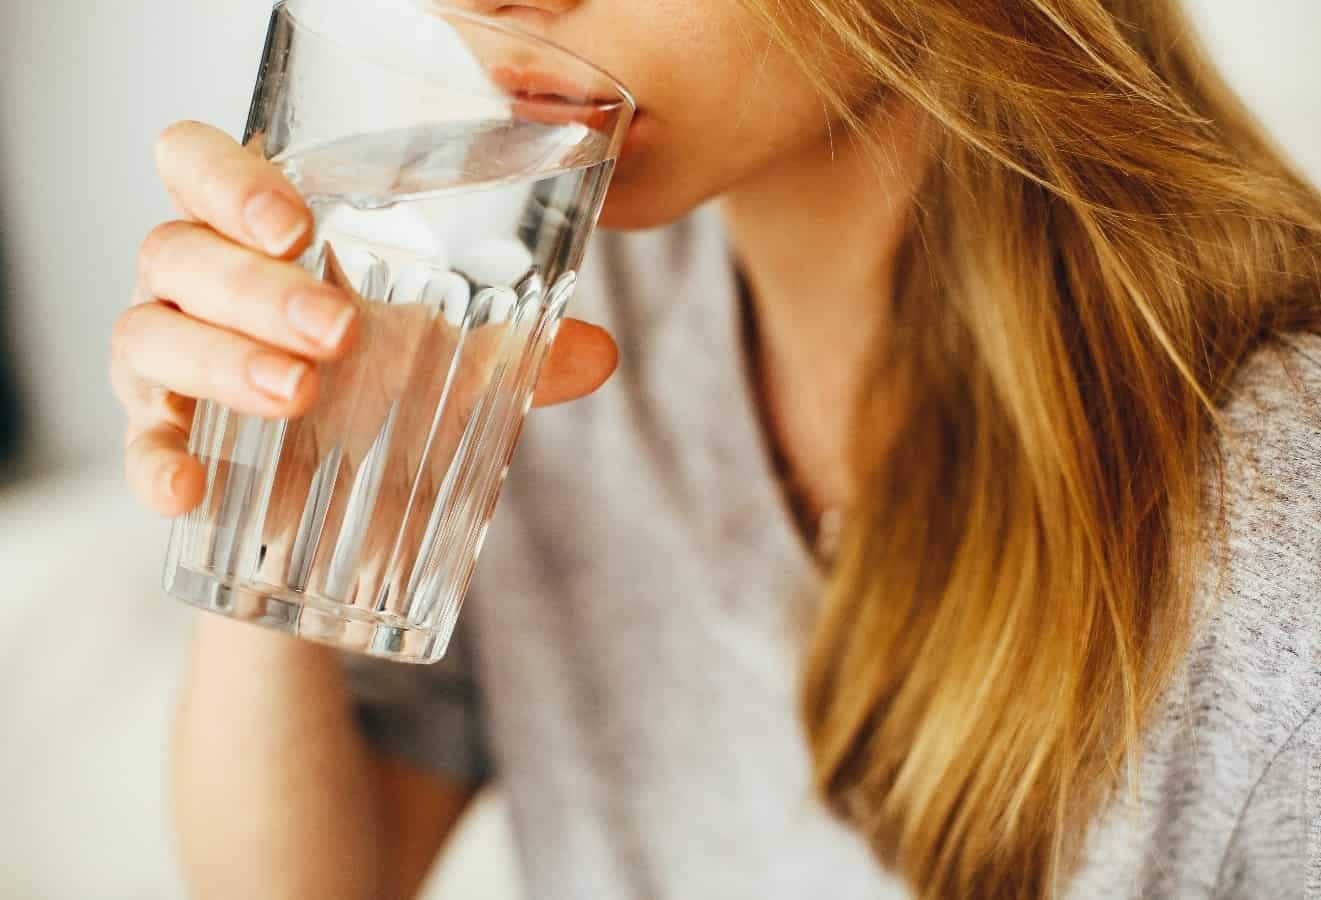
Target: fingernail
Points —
{"points": [[321, 317], [170, 479], [275, 221], [276, 375]]}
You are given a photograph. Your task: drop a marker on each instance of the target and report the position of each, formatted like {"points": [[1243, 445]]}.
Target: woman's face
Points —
{"points": [[717, 102]]}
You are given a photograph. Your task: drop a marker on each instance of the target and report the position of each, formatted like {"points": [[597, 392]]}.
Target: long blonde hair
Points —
{"points": [[1103, 236]]}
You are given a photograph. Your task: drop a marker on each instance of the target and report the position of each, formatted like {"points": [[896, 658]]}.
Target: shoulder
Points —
{"points": [[1260, 593], [1267, 490], [1265, 498], [1272, 415], [1254, 671], [1227, 766]]}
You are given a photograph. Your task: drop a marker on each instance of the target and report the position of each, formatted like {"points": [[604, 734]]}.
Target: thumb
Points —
{"points": [[582, 358]]}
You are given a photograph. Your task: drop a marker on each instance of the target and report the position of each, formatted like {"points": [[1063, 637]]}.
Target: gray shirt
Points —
{"points": [[626, 661]]}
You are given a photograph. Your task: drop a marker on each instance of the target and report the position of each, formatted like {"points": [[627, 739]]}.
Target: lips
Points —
{"points": [[553, 100], [544, 85]]}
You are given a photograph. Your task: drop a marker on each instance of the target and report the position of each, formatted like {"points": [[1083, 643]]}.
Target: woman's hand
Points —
{"points": [[222, 313]]}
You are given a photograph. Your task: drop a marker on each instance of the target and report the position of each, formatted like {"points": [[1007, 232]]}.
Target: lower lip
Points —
{"points": [[533, 99], [555, 111], [559, 113]]}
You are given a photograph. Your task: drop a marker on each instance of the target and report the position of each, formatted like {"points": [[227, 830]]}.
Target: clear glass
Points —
{"points": [[456, 168]]}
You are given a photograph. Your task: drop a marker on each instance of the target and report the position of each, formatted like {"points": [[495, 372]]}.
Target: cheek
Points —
{"points": [[697, 151], [720, 104], [676, 165]]}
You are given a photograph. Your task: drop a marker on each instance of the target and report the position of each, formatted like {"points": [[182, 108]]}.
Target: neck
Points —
{"points": [[816, 239]]}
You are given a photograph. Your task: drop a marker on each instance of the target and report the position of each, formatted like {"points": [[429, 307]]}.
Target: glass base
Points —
{"points": [[308, 616]]}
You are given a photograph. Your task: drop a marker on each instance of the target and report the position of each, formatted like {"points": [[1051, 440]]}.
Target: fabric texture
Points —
{"points": [[627, 658]]}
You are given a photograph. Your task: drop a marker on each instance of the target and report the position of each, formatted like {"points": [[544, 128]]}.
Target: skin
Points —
{"points": [[234, 315]]}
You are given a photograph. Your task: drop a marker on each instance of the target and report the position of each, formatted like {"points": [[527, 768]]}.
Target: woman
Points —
{"points": [[1016, 292]]}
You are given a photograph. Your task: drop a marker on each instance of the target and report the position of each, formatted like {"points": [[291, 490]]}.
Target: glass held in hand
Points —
{"points": [[455, 168]]}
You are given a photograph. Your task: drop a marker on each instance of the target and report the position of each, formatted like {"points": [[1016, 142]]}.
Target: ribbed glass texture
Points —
{"points": [[455, 169]]}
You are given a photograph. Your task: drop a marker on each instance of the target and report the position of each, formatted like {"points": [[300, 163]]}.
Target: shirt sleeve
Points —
{"points": [[1263, 669], [430, 716]]}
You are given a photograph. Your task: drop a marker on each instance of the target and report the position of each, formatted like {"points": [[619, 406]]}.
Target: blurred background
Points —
{"points": [[89, 646]]}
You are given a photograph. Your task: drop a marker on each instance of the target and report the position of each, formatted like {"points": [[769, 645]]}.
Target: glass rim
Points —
{"points": [[450, 11]]}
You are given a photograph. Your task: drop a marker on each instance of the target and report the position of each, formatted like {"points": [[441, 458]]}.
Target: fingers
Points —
{"points": [[149, 405], [161, 473], [218, 281], [213, 179], [581, 359], [164, 346]]}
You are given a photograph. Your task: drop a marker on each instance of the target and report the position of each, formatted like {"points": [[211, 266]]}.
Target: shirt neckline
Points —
{"points": [[737, 372]]}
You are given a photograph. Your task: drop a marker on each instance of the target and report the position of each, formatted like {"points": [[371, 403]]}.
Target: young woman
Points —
{"points": [[1016, 292]]}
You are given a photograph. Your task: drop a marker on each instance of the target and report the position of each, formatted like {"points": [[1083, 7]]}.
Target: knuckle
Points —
{"points": [[216, 380], [230, 185], [250, 282], [124, 334], [156, 246], [216, 190], [137, 452], [175, 134], [121, 382], [228, 181]]}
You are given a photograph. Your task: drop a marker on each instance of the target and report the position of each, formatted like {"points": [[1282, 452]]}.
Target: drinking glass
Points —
{"points": [[455, 167]]}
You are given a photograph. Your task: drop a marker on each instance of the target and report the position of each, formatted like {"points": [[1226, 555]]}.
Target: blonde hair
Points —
{"points": [[1102, 237]]}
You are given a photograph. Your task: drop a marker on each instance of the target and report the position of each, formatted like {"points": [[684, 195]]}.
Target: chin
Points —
{"points": [[636, 201]]}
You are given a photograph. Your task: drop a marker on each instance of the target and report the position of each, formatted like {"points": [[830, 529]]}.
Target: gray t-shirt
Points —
{"points": [[626, 661]]}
